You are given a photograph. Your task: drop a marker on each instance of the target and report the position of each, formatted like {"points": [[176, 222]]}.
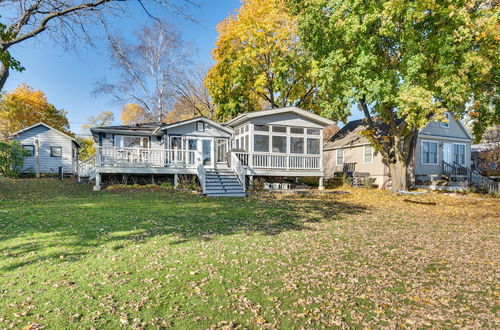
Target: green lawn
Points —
{"points": [[74, 258]]}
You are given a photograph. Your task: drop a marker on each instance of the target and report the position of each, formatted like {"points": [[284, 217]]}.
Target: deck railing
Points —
{"points": [[146, 157], [86, 167], [275, 161]]}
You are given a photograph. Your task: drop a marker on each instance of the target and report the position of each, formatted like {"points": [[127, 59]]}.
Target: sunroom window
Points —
{"points": [[313, 146], [261, 143], [296, 145], [279, 144]]}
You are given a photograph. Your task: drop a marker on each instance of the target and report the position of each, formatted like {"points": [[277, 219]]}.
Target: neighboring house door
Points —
{"points": [[448, 153]]}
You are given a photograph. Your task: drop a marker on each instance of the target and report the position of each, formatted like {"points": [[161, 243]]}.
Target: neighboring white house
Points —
{"points": [[49, 149], [286, 142], [443, 151]]}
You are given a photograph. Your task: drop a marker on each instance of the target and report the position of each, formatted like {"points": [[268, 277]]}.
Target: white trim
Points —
{"points": [[373, 154], [337, 157], [262, 113], [422, 152], [348, 146], [47, 126]]}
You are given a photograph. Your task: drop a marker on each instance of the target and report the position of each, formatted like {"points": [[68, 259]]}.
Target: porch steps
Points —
{"points": [[223, 183]]}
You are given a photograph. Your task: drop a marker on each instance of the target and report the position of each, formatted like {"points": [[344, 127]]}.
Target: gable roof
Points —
{"points": [[146, 128], [47, 126], [201, 118], [349, 135], [303, 113]]}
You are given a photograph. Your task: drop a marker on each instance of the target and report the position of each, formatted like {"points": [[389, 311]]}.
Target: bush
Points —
{"points": [[258, 184], [167, 185], [346, 180], [369, 182], [11, 158]]}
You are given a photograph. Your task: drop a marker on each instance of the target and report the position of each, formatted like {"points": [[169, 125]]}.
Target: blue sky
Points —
{"points": [[68, 77]]}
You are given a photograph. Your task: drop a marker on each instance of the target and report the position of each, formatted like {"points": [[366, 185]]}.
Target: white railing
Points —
{"points": [[484, 182], [145, 157], [273, 161], [238, 169], [86, 167]]}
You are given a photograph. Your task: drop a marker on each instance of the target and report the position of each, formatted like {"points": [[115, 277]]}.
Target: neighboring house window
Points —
{"points": [[368, 155], [459, 154], [340, 156], [447, 123], [429, 152], [313, 146], [297, 145], [261, 143], [30, 148], [55, 151], [279, 144], [131, 141], [200, 126]]}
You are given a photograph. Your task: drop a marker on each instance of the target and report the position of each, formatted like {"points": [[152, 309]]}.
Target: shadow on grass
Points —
{"points": [[65, 218]]}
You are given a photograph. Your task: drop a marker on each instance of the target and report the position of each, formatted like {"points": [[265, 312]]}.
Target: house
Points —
{"points": [[49, 150], [443, 151], [285, 142]]}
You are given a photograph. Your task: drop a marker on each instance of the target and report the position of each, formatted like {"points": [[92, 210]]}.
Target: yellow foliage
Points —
{"points": [[133, 113], [25, 107]]}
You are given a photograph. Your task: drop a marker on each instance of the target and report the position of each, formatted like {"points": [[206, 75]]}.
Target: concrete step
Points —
{"points": [[242, 194]]}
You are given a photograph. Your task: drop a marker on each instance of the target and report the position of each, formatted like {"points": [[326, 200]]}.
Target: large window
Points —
{"points": [[367, 154], [459, 154], [313, 146], [296, 145], [429, 152], [279, 144], [340, 156], [123, 141], [261, 143], [30, 149], [55, 151]]}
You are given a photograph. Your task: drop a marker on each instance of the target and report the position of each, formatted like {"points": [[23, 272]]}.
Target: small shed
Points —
{"points": [[49, 149]]}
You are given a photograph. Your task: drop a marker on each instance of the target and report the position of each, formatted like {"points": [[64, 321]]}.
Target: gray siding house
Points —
{"points": [[225, 157], [443, 149], [49, 149]]}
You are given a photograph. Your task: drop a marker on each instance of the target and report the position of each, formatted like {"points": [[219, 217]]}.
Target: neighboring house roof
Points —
{"points": [[192, 120], [146, 128], [300, 112], [47, 126], [349, 135]]}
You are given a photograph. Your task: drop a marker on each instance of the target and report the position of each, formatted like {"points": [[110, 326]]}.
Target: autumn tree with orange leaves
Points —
{"points": [[25, 107], [260, 62]]}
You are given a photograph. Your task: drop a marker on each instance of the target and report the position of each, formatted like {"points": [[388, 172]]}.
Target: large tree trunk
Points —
{"points": [[4, 74], [399, 175]]}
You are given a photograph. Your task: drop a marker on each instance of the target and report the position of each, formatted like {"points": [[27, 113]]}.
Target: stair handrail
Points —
{"points": [[448, 168], [460, 169], [202, 173], [86, 166], [238, 169]]}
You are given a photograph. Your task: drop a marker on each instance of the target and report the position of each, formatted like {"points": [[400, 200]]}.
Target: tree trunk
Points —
{"points": [[4, 74], [399, 172]]}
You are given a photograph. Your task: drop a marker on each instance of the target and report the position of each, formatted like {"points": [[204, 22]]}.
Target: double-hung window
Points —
{"points": [[459, 154], [429, 152], [55, 151], [30, 149], [340, 156], [367, 154]]}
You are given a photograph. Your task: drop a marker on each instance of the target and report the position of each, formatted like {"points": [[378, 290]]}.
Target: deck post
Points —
{"points": [[97, 181], [176, 180], [321, 185]]}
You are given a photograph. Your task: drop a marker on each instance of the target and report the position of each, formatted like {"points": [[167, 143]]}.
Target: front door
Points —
{"points": [[207, 153], [221, 151], [448, 153]]}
